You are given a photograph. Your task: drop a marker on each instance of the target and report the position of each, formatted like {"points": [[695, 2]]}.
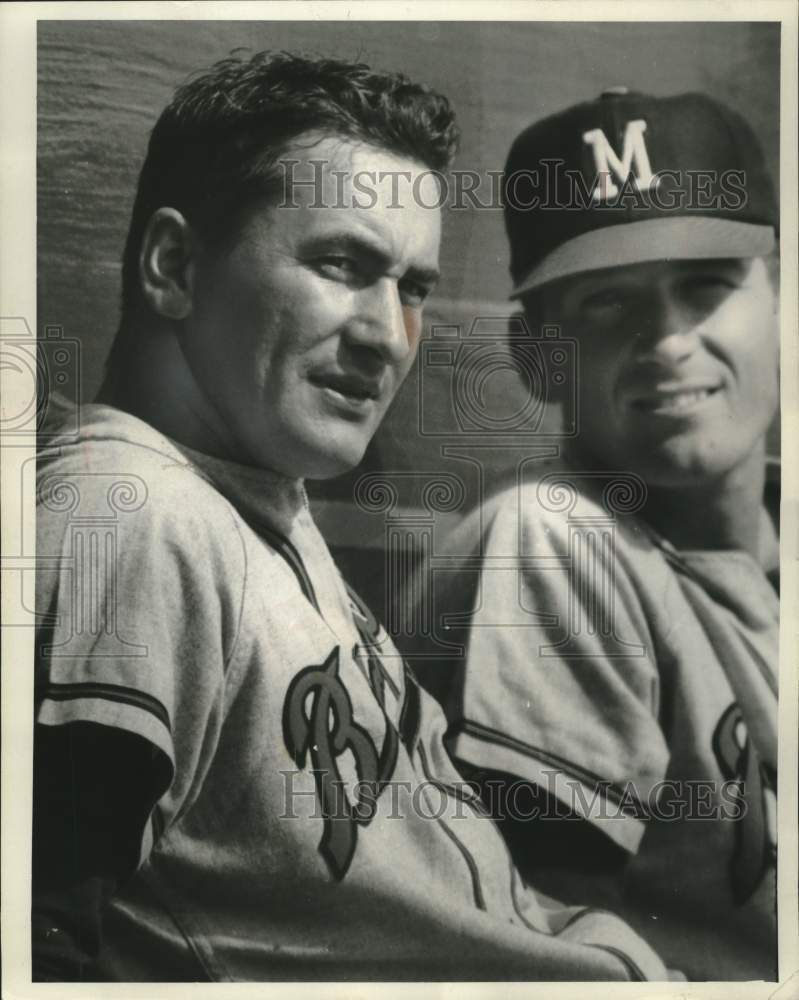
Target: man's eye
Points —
{"points": [[708, 290], [606, 300], [413, 293], [335, 266], [709, 282]]}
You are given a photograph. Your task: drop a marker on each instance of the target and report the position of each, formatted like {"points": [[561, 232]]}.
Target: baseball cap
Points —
{"points": [[629, 178]]}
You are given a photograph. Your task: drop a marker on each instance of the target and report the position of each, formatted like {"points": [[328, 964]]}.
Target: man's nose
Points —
{"points": [[379, 322], [668, 331]]}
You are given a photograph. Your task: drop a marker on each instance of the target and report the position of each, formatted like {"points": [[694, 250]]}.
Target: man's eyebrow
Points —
{"points": [[730, 263], [424, 275]]}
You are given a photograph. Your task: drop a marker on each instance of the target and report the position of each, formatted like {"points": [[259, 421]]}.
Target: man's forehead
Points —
{"points": [[339, 169], [341, 189]]}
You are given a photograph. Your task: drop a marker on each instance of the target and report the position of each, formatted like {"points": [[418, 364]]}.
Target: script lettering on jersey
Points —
{"points": [[372, 636], [756, 835], [318, 720]]}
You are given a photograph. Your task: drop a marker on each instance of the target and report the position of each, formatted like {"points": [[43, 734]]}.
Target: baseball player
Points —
{"points": [[622, 720], [236, 777]]}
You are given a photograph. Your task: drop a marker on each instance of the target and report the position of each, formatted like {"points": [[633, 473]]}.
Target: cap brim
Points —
{"points": [[699, 237]]}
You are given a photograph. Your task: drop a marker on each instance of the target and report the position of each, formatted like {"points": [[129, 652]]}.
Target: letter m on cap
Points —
{"points": [[634, 154]]}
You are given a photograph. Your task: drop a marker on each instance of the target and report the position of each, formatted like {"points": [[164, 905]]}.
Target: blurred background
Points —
{"points": [[458, 428]]}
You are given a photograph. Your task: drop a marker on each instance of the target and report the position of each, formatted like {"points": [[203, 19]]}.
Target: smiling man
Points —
{"points": [[235, 776], [623, 720]]}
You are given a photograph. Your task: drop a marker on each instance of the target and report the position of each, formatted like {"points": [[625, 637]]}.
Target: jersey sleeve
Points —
{"points": [[560, 686], [138, 598]]}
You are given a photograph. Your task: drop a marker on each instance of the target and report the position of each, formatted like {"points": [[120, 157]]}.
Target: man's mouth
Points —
{"points": [[675, 400], [358, 389]]}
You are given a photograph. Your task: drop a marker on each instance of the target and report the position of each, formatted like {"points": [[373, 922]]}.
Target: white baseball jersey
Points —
{"points": [[313, 826], [637, 685]]}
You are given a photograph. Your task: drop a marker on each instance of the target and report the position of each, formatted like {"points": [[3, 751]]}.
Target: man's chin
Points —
{"points": [[308, 455], [664, 465], [330, 462], [683, 471]]}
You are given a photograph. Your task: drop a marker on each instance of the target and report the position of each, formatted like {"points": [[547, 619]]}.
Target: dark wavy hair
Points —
{"points": [[215, 148]]}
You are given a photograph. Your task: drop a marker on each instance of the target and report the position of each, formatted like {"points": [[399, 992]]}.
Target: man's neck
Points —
{"points": [[158, 387], [724, 514]]}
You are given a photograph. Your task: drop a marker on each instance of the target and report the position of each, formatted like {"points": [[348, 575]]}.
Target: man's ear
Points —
{"points": [[167, 263]]}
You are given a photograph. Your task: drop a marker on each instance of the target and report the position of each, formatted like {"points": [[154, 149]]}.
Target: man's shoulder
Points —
{"points": [[100, 462], [556, 499], [98, 435]]}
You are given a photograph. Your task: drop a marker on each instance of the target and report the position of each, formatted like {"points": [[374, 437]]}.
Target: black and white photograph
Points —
{"points": [[399, 477]]}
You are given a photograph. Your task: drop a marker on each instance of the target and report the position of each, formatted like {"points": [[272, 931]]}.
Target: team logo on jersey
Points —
{"points": [[634, 153], [756, 833], [318, 720]]}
